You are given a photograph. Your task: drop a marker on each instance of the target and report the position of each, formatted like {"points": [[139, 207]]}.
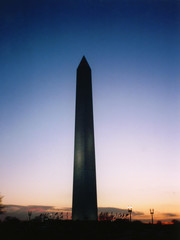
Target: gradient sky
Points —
{"points": [[133, 50]]}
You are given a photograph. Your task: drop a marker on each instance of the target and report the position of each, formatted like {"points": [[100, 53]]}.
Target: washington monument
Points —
{"points": [[84, 206]]}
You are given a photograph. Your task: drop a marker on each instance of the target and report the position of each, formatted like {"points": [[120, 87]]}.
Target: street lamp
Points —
{"points": [[130, 211], [29, 215], [152, 212]]}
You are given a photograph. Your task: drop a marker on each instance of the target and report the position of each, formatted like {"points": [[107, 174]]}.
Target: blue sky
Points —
{"points": [[133, 50]]}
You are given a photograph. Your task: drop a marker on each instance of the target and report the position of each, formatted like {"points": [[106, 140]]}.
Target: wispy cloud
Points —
{"points": [[110, 209], [119, 210], [21, 212], [170, 215], [34, 208]]}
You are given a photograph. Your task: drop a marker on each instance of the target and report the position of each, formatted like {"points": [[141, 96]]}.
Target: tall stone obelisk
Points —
{"points": [[84, 182]]}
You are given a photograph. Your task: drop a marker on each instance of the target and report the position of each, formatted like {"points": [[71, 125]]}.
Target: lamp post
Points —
{"points": [[130, 212], [29, 215], [152, 212]]}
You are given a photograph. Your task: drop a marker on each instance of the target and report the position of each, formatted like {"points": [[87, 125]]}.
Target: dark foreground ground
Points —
{"points": [[88, 230]]}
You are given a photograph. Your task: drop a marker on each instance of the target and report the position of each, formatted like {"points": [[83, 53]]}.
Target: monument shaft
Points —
{"points": [[84, 182]]}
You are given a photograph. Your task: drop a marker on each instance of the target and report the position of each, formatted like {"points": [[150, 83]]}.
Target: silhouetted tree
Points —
{"points": [[176, 222], [1, 206]]}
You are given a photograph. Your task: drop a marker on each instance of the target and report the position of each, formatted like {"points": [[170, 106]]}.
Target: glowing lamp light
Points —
{"points": [[152, 212], [129, 209], [130, 212]]}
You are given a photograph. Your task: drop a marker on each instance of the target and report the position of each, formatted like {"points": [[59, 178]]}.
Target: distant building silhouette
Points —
{"points": [[84, 183]]}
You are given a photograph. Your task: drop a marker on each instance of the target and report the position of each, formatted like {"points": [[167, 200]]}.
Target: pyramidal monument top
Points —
{"points": [[83, 63]]}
